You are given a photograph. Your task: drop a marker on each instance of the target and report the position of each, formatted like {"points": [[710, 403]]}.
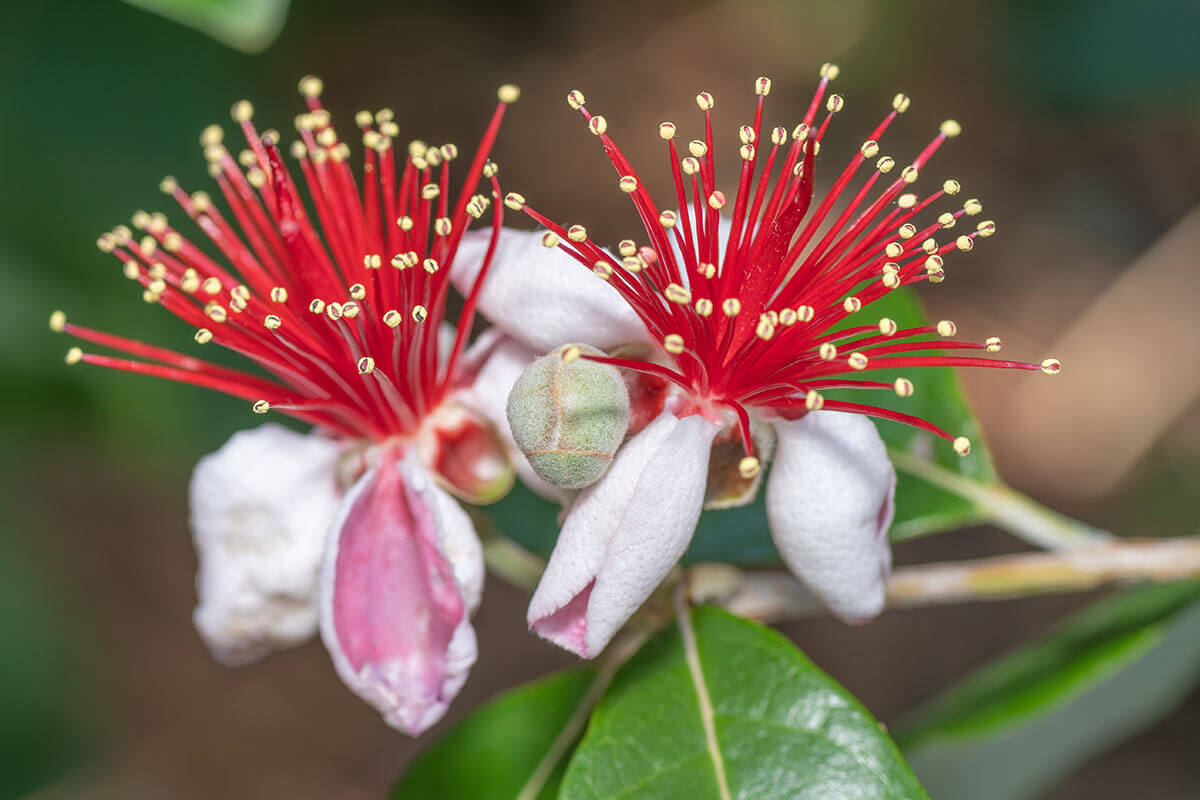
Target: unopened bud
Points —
{"points": [[569, 415]]}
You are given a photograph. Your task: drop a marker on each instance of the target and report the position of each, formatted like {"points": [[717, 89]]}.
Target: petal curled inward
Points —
{"points": [[829, 505], [624, 534], [260, 510], [402, 572], [543, 296]]}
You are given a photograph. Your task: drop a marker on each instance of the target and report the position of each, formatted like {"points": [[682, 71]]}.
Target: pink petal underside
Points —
{"points": [[396, 609]]}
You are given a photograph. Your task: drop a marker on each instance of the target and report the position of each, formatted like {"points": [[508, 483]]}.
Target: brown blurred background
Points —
{"points": [[1082, 139]]}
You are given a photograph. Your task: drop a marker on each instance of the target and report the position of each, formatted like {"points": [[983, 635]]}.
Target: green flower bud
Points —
{"points": [[569, 415]]}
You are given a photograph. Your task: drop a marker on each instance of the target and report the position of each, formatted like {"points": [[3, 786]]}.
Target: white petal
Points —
{"points": [[829, 505], [260, 509], [402, 570], [624, 534], [488, 396], [544, 297]]}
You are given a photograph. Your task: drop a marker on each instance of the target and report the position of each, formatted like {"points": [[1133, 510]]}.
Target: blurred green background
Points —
{"points": [[1083, 139]]}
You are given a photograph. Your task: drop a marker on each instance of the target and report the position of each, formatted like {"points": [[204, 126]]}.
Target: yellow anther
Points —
{"points": [[852, 304], [857, 361], [901, 102], [946, 328], [668, 219], [813, 401], [627, 247], [885, 164], [430, 265], [509, 93], [973, 207], [888, 326], [947, 220], [910, 173], [731, 306], [632, 263], [58, 321], [765, 329], [577, 233], [213, 134], [951, 187], [372, 261], [986, 228], [603, 269], [550, 239], [242, 111], [628, 184], [260, 407], [442, 226], [392, 318], [697, 148], [778, 135], [430, 190], [334, 311], [74, 355], [366, 365], [829, 71], [906, 201], [869, 149], [704, 307], [950, 128], [934, 263], [575, 99], [1051, 366], [690, 165], [317, 306], [805, 313], [749, 467], [705, 101], [706, 269], [673, 343], [762, 86], [800, 132], [272, 322], [827, 351], [598, 125], [930, 245], [666, 130], [993, 344], [962, 445], [747, 134], [903, 387], [835, 103], [716, 200], [677, 294], [964, 243], [203, 336], [788, 317], [311, 86], [215, 312], [358, 291], [514, 201], [746, 152], [419, 313]]}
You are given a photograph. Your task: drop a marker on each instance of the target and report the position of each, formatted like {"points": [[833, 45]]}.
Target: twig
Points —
{"points": [[773, 596], [1005, 508]]}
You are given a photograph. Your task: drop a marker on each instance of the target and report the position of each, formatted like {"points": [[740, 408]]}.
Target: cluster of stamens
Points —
{"points": [[767, 315], [340, 310]]}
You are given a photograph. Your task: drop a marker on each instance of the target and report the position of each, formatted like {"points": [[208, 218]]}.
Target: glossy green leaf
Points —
{"points": [[741, 536], [780, 728], [1023, 722], [492, 754], [247, 25]]}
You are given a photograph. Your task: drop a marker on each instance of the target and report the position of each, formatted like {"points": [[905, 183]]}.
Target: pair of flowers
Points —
{"points": [[729, 325]]}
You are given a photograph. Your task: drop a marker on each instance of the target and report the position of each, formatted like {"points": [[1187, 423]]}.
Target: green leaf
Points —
{"points": [[780, 728], [246, 25], [1023, 722], [492, 754]]}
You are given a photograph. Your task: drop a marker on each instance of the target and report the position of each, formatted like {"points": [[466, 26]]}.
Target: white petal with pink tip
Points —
{"points": [[624, 534]]}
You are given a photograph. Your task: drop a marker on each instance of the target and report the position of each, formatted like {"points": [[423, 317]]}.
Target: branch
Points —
{"points": [[774, 596]]}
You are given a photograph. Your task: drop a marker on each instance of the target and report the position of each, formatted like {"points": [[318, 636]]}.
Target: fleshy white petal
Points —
{"points": [[830, 504], [402, 570], [624, 534], [260, 509], [542, 296], [488, 395]]}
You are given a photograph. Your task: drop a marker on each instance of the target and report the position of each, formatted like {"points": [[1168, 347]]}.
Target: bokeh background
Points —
{"points": [[1082, 138]]}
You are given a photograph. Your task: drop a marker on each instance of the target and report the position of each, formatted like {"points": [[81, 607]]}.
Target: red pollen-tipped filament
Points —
{"points": [[333, 283], [755, 296]]}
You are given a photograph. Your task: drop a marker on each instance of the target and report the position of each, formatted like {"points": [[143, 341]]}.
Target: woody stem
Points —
{"points": [[775, 596]]}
